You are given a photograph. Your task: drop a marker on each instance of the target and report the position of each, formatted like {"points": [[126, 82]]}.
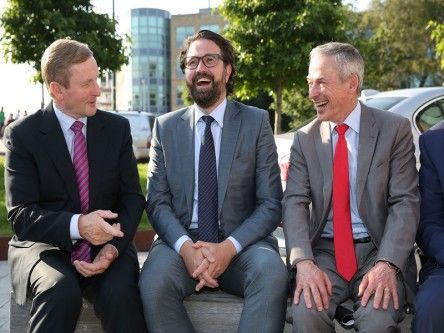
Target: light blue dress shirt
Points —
{"points": [[352, 137], [66, 122]]}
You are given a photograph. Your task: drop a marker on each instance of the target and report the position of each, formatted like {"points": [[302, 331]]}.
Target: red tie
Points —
{"points": [[342, 230], [82, 249]]}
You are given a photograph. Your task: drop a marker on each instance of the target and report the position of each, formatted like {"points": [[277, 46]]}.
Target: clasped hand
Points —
{"points": [[205, 262]]}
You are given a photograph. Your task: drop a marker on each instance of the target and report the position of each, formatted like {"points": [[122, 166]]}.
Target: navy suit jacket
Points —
{"points": [[431, 182]]}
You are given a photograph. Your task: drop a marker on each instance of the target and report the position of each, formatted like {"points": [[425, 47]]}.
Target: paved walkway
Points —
{"points": [[5, 290]]}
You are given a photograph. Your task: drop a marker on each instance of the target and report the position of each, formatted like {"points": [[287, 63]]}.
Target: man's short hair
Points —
{"points": [[347, 58], [227, 53], [59, 57]]}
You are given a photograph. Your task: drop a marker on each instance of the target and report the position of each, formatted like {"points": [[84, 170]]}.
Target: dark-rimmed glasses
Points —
{"points": [[209, 60]]}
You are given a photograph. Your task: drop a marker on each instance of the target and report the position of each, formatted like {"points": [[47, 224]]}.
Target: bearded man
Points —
{"points": [[214, 198]]}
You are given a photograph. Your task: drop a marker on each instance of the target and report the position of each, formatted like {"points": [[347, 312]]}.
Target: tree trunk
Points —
{"points": [[278, 111], [423, 80]]}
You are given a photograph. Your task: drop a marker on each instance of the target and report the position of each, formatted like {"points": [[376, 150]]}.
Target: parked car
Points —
{"points": [[424, 107], [140, 123]]}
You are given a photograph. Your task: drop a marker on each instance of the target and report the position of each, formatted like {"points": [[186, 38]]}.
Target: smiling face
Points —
{"points": [[79, 98], [207, 85], [334, 97]]}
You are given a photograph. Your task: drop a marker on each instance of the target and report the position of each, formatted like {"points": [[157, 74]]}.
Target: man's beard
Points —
{"points": [[210, 95]]}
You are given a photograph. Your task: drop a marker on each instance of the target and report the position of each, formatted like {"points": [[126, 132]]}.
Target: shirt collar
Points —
{"points": [[218, 113], [353, 120], [65, 120]]}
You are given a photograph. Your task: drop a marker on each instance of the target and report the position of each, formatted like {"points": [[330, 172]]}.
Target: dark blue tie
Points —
{"points": [[207, 187]]}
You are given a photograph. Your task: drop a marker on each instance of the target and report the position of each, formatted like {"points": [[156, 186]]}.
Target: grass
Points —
{"points": [[5, 229]]}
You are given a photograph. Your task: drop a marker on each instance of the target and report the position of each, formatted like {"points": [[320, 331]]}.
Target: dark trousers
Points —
{"points": [[429, 303], [57, 289]]}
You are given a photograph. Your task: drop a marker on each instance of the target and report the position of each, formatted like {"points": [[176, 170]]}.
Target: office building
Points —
{"points": [[150, 66]]}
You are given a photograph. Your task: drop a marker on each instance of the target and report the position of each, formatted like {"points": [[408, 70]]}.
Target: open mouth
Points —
{"points": [[320, 104], [203, 80]]}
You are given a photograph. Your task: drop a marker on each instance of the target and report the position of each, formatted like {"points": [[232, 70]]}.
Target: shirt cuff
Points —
{"points": [[74, 227], [236, 244], [179, 243]]}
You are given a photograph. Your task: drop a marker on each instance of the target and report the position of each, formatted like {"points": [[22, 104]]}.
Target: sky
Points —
{"points": [[17, 91]]}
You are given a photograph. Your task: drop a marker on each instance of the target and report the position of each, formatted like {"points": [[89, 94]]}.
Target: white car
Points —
{"points": [[424, 107], [140, 123]]}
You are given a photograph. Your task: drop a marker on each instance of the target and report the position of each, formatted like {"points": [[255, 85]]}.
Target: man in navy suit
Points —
{"points": [[429, 305]]}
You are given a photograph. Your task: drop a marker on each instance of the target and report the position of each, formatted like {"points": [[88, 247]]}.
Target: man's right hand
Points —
{"points": [[96, 230], [193, 258], [314, 284]]}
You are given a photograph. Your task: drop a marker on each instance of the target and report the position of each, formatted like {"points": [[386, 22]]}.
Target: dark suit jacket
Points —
{"points": [[41, 188], [387, 187], [430, 236], [249, 186]]}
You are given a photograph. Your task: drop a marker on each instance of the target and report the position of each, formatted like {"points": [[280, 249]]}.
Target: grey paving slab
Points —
{"points": [[5, 289]]}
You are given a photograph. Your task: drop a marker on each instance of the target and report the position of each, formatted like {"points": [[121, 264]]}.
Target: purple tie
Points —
{"points": [[82, 249]]}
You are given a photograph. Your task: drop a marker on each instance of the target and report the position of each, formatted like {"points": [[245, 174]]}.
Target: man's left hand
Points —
{"points": [[223, 253], [380, 281], [101, 262]]}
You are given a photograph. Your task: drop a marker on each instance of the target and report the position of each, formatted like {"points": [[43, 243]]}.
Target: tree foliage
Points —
{"points": [[273, 38], [29, 27], [438, 37], [396, 44]]}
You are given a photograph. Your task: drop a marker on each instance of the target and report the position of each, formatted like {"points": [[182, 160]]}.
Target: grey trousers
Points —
{"points": [[367, 319], [258, 274]]}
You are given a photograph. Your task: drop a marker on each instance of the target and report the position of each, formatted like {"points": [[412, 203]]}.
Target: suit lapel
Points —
{"points": [[55, 144], [325, 155], [230, 133], [97, 146], [185, 133], [368, 134]]}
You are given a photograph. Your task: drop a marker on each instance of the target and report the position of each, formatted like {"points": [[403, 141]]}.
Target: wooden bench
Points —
{"points": [[209, 311]]}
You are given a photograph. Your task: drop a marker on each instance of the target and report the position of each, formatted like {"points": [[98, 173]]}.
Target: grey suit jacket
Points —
{"points": [[249, 187], [387, 187]]}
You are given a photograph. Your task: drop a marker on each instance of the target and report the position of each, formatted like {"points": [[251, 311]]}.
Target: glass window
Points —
{"points": [[182, 33], [211, 27], [383, 103], [430, 115]]}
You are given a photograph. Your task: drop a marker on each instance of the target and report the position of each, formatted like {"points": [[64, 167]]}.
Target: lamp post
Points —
{"points": [[143, 94], [114, 72]]}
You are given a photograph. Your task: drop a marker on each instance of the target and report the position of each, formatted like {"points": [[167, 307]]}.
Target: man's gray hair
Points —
{"points": [[347, 58]]}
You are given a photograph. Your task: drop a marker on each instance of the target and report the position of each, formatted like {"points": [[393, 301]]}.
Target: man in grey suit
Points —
{"points": [[242, 198], [351, 203]]}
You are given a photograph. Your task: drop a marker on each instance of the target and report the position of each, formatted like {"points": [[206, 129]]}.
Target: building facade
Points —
{"points": [[150, 65], [183, 26]]}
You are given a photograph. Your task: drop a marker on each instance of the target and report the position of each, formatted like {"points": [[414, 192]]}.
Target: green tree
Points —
{"points": [[273, 38], [438, 37], [393, 38], [297, 106], [29, 27]]}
